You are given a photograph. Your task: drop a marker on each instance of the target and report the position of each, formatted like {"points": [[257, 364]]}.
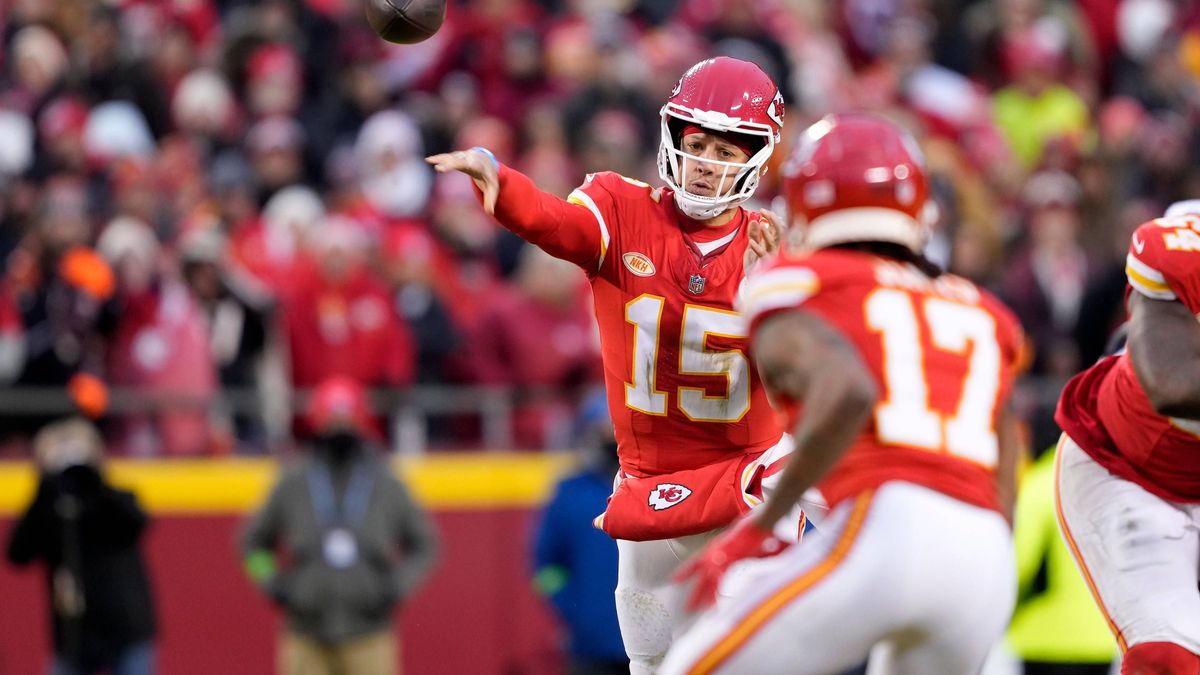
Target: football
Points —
{"points": [[405, 22]]}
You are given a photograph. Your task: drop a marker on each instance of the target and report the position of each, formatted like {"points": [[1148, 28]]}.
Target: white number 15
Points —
{"points": [[695, 358]]}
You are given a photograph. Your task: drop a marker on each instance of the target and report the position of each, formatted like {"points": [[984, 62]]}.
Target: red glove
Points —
{"points": [[746, 539]]}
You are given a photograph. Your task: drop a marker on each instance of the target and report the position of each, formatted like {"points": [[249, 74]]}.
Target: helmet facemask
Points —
{"points": [[735, 181]]}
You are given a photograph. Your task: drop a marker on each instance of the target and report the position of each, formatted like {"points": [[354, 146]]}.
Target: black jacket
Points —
{"points": [[99, 548]]}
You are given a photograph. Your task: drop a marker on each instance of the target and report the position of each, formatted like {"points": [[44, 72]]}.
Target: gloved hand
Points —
{"points": [[746, 539]]}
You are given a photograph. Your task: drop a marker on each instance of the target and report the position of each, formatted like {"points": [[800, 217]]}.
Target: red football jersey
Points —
{"points": [[942, 353], [681, 389], [1104, 408]]}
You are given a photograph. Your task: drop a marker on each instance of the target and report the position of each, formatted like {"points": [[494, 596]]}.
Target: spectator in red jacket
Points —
{"points": [[340, 319]]}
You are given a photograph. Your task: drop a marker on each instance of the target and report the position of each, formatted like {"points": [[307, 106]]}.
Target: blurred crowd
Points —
{"points": [[216, 202]]}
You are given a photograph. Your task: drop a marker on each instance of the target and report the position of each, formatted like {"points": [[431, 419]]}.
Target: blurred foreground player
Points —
{"points": [[357, 543], [895, 378], [87, 534], [695, 432], [1129, 459]]}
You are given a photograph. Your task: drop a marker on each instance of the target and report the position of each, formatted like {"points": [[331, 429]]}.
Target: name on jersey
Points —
{"points": [[638, 264], [907, 277]]}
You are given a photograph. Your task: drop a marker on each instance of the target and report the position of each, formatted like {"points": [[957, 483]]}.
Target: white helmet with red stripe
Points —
{"points": [[725, 96]]}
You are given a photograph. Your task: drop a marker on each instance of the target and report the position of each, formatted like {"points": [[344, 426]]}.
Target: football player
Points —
{"points": [[697, 439], [1128, 484], [895, 378]]}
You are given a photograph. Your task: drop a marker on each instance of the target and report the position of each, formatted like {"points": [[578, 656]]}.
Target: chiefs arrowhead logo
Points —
{"points": [[666, 495], [775, 112]]}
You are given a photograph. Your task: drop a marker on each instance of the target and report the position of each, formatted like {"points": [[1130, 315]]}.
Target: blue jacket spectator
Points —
{"points": [[577, 564]]}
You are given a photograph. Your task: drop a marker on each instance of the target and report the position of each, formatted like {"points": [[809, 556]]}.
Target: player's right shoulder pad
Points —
{"points": [[596, 195], [607, 195], [1164, 259]]}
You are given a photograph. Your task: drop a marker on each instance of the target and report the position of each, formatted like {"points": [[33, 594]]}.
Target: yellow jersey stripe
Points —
{"points": [[581, 198], [793, 288]]}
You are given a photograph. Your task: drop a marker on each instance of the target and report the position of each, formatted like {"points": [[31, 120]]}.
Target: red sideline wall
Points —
{"points": [[477, 614]]}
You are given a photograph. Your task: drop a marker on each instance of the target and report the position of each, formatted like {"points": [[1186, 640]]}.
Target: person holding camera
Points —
{"points": [[86, 533]]}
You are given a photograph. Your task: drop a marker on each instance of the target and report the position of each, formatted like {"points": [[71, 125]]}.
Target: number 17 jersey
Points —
{"points": [[681, 388], [942, 353]]}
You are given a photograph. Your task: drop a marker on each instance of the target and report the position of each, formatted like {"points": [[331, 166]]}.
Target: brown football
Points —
{"points": [[405, 21]]}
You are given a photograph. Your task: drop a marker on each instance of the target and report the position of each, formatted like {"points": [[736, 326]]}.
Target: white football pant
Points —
{"points": [[927, 577], [1138, 552]]}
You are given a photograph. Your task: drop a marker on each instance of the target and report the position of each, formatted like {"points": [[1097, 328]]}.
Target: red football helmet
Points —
{"points": [[339, 401], [724, 95], [858, 177]]}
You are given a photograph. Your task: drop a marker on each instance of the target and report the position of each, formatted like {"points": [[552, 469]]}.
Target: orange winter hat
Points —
{"points": [[85, 269], [89, 393]]}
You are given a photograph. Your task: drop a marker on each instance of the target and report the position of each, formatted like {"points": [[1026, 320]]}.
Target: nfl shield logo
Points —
{"points": [[696, 284]]}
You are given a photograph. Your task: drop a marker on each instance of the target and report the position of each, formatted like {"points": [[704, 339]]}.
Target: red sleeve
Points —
{"points": [[1014, 346], [569, 230]]}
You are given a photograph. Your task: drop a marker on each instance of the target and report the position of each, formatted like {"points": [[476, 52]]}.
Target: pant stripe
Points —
{"points": [[759, 616], [1062, 524]]}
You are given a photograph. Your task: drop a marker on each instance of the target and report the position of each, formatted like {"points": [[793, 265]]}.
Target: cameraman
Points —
{"points": [[86, 532]]}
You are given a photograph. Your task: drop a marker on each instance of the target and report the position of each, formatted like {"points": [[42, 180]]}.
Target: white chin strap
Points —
{"points": [[702, 209]]}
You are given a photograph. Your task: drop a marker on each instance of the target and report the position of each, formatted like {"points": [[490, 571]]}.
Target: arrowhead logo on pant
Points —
{"points": [[666, 495]]}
